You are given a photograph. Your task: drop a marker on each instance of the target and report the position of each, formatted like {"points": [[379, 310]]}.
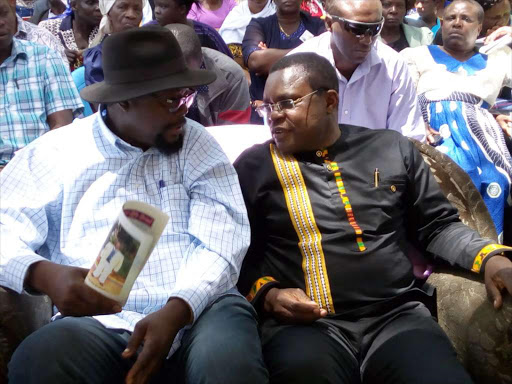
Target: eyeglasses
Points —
{"points": [[175, 104], [264, 110], [360, 29]]}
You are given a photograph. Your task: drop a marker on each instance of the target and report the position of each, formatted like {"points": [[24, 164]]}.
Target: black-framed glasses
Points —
{"points": [[176, 103], [359, 28], [265, 109]]}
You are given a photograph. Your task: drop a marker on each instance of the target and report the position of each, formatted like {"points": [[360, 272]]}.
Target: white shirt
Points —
{"points": [[379, 95], [62, 193]]}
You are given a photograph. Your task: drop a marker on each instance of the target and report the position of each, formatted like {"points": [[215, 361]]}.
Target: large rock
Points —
{"points": [[481, 335], [20, 315]]}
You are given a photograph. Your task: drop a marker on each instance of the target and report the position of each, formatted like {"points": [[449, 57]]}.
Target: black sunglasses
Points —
{"points": [[359, 28]]}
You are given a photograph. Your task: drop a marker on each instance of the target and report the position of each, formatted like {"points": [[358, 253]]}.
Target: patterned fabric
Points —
{"points": [[303, 219], [61, 196], [407, 209], [34, 83], [485, 252], [260, 283], [346, 202], [236, 50], [30, 32], [473, 139], [62, 28], [454, 97]]}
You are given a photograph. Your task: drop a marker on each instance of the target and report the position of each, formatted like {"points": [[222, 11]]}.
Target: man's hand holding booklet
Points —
{"points": [[126, 250]]}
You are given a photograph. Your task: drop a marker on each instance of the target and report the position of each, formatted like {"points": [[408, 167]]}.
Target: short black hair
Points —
{"points": [[318, 71], [187, 3], [187, 39], [476, 4]]}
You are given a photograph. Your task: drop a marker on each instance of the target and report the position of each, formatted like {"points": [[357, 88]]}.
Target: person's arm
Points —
{"points": [[257, 56], [218, 225], [404, 114], [60, 92], [60, 118], [261, 61], [435, 222], [235, 102], [31, 205]]}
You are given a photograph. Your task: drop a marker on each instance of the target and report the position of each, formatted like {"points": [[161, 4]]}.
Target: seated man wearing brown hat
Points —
{"points": [[60, 197]]}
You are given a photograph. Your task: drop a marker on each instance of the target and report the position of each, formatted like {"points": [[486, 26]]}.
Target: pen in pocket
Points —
{"points": [[376, 177]]}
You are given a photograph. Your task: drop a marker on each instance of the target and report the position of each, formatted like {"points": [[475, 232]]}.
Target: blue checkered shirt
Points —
{"points": [[62, 193], [34, 83]]}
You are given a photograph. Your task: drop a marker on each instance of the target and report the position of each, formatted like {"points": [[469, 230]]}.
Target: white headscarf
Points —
{"points": [[233, 28], [105, 27]]}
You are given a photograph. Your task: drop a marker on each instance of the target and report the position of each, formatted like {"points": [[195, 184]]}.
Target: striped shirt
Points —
{"points": [[34, 83], [62, 194]]}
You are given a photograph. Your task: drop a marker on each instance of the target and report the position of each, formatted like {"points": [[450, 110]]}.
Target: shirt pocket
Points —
{"points": [[26, 95], [389, 198]]}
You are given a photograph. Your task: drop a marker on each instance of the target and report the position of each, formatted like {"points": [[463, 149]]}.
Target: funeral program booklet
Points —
{"points": [[126, 250]]}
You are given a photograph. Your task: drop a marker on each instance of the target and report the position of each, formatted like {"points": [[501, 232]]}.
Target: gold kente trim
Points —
{"points": [[303, 220], [484, 252]]}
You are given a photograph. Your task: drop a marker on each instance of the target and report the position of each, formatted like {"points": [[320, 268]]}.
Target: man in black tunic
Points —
{"points": [[334, 211]]}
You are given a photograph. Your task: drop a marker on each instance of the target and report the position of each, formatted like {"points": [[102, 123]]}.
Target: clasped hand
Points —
{"points": [[292, 305]]}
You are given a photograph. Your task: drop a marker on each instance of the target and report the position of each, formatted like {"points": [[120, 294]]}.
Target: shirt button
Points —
{"points": [[329, 167], [346, 111], [319, 153], [393, 188]]}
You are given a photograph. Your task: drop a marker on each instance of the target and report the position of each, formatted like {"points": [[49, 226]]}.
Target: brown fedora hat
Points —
{"points": [[141, 61]]}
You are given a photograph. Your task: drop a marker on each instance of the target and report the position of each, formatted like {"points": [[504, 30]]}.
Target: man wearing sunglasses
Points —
{"points": [[333, 211], [376, 89], [62, 194]]}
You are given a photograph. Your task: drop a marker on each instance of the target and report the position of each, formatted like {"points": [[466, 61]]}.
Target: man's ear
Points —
{"points": [[332, 100]]}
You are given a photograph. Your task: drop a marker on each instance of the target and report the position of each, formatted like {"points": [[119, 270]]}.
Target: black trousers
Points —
{"points": [[405, 345]]}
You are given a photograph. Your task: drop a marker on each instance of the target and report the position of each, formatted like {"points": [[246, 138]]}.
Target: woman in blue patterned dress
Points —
{"points": [[456, 85]]}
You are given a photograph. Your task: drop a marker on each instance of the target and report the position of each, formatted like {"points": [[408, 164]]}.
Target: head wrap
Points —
{"points": [[105, 27]]}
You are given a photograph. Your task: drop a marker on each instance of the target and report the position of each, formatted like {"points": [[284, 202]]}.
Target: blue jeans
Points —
{"points": [[223, 346]]}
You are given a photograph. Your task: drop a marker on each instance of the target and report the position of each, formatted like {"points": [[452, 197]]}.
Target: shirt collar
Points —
{"points": [[18, 51], [319, 155], [22, 30], [109, 136], [66, 23]]}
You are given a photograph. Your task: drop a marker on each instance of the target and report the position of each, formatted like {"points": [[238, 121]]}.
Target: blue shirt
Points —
{"points": [[34, 83], [62, 194]]}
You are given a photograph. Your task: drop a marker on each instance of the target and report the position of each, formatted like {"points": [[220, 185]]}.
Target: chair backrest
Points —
{"points": [[234, 139], [459, 190]]}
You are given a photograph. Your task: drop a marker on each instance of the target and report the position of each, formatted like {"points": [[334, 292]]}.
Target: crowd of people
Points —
{"points": [[293, 265]]}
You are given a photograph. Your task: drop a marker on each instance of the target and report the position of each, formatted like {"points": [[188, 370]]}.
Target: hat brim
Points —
{"points": [[113, 93]]}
